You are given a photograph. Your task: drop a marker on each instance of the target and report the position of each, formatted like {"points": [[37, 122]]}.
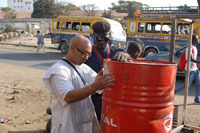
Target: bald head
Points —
{"points": [[79, 50], [80, 41]]}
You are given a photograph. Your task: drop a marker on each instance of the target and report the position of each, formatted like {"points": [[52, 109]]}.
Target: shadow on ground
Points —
{"points": [[30, 56]]}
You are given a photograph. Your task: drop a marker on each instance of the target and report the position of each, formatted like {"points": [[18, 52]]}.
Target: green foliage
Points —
{"points": [[127, 7], [107, 14], [50, 9], [43, 9], [9, 28], [8, 12], [62, 9], [6, 9], [71, 7]]}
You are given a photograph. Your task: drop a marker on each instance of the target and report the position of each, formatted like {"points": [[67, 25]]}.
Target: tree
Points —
{"points": [[43, 9], [8, 12], [62, 9], [89, 9], [50, 9], [107, 14], [127, 7], [9, 28]]}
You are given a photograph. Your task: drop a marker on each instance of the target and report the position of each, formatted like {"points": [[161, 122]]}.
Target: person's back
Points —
{"points": [[40, 42], [40, 38]]}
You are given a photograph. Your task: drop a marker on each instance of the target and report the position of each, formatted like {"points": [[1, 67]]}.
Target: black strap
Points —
{"points": [[84, 82]]}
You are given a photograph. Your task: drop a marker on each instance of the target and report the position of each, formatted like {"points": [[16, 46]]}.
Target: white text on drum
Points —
{"points": [[108, 121]]}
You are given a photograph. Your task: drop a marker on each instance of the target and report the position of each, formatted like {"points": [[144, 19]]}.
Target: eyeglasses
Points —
{"points": [[82, 52], [102, 39]]}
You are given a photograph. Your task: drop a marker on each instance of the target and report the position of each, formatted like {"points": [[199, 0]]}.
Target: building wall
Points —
{"points": [[21, 5]]}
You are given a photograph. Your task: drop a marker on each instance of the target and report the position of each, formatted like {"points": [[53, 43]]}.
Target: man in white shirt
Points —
{"points": [[194, 71], [71, 83]]}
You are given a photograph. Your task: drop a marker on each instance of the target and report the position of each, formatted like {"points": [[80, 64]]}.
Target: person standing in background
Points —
{"points": [[40, 42], [4, 35], [134, 50], [194, 71]]}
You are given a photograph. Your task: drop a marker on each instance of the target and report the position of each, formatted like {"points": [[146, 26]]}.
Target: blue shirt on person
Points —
{"points": [[40, 38], [93, 61]]}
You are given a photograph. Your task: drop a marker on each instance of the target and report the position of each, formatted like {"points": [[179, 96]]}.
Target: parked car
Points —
{"points": [[177, 56]]}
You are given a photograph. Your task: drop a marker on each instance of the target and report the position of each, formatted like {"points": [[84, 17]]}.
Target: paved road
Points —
{"points": [[26, 56]]}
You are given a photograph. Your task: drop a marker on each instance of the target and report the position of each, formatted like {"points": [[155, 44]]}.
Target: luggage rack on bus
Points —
{"points": [[170, 10]]}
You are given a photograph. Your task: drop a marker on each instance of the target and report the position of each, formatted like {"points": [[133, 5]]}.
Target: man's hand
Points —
{"points": [[120, 56], [103, 81]]}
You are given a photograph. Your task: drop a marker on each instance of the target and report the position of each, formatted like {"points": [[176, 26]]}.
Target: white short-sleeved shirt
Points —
{"points": [[194, 52], [77, 117]]}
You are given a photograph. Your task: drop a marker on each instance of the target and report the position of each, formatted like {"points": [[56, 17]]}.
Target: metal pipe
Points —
{"points": [[187, 73], [172, 43]]}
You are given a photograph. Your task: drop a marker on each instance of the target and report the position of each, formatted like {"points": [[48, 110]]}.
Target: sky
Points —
{"points": [[104, 4]]}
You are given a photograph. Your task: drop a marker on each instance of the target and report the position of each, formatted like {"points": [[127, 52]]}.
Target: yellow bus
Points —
{"points": [[154, 31], [64, 28]]}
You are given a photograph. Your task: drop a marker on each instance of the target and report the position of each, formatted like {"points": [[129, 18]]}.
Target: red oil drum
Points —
{"points": [[142, 98]]}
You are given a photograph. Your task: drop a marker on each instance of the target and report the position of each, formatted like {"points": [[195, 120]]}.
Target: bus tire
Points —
{"points": [[64, 47], [150, 51]]}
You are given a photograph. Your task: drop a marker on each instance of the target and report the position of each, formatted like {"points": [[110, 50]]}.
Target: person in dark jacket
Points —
{"points": [[102, 50]]}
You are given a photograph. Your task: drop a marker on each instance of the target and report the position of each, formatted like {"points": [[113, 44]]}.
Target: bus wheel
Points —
{"points": [[150, 51], [64, 47]]}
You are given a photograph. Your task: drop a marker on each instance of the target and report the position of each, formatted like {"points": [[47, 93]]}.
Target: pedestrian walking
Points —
{"points": [[194, 71], [40, 42]]}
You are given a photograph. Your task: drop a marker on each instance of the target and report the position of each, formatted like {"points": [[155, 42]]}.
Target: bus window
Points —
{"points": [[68, 25], [132, 27], [182, 28], [63, 25], [75, 26], [58, 25], [153, 27], [141, 27], [166, 28], [54, 25], [85, 26]]}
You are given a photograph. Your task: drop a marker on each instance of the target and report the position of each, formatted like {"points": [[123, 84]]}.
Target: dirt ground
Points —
{"points": [[24, 99]]}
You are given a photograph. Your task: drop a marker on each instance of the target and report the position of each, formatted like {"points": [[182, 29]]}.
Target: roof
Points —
{"points": [[18, 15]]}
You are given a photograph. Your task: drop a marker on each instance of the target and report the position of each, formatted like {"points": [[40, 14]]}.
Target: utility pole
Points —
{"points": [[198, 1]]}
